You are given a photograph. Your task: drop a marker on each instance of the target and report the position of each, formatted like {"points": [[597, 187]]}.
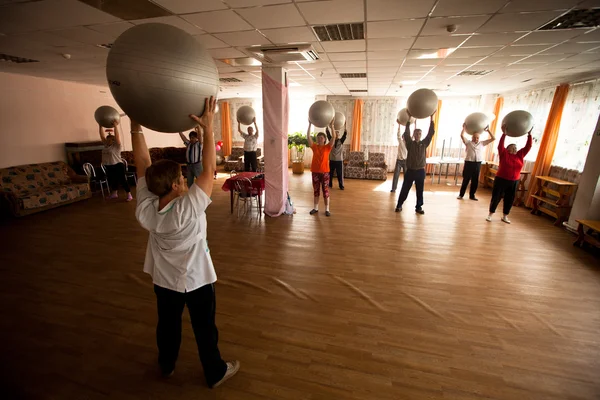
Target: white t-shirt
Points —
{"points": [[475, 151], [402, 152], [250, 142], [111, 155], [177, 256]]}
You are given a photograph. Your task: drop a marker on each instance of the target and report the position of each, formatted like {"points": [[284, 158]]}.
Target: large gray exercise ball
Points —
{"points": [[476, 122], [339, 120], [159, 75], [422, 103], [245, 114], [106, 115], [518, 123], [403, 117], [321, 113]]}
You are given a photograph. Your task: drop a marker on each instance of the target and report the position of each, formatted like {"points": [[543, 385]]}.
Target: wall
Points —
{"points": [[38, 115]]}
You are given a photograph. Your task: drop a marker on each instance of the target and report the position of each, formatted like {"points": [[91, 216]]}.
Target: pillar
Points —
{"points": [[587, 199], [275, 122]]}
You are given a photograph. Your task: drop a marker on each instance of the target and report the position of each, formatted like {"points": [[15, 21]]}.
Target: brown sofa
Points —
{"points": [[27, 189]]}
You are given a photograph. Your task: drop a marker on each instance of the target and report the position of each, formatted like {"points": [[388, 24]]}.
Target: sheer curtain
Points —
{"points": [[379, 128], [579, 118], [453, 114]]}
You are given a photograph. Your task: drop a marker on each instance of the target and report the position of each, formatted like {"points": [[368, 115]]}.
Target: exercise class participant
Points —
{"points": [[415, 164], [250, 145], [336, 158], [400, 158], [112, 161], [177, 256], [508, 175], [193, 156], [473, 160], [320, 167]]}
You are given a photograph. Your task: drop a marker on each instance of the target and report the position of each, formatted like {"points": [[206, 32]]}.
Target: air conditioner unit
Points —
{"points": [[284, 54]]}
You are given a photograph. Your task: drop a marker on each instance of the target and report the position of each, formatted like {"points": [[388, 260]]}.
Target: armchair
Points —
{"points": [[376, 167], [355, 169]]}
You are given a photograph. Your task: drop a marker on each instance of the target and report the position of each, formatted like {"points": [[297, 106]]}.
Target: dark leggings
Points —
{"points": [[470, 174], [116, 174], [250, 161], [506, 188], [338, 168]]}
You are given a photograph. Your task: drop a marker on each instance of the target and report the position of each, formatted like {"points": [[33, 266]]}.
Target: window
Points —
{"points": [[452, 116], [577, 125]]}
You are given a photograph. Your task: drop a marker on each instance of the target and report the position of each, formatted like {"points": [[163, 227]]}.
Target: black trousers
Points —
{"points": [[250, 162], [116, 175], [470, 174], [201, 306], [506, 188], [416, 176], [338, 168]]}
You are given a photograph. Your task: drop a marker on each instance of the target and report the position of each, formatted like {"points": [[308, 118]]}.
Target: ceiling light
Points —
{"points": [[441, 53], [295, 84]]}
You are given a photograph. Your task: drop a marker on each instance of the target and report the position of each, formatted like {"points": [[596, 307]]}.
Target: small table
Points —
{"points": [[560, 208], [586, 236], [489, 175], [257, 183]]}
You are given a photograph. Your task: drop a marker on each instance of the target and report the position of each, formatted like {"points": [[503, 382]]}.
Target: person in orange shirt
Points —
{"points": [[320, 166]]}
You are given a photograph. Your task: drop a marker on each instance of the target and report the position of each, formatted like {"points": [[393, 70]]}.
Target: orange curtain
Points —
{"points": [[225, 128], [497, 110], [356, 125], [436, 120], [550, 137]]}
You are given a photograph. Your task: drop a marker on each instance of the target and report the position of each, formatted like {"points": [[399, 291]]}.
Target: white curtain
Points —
{"points": [[577, 125], [379, 128], [452, 116]]}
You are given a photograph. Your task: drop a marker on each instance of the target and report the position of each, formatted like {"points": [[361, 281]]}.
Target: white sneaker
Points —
{"points": [[505, 219], [232, 368], [489, 218]]}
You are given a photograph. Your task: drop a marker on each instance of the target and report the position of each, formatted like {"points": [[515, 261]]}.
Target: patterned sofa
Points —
{"points": [[355, 169], [376, 167], [27, 189], [235, 161]]}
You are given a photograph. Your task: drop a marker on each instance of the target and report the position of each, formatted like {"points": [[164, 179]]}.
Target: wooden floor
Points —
{"points": [[366, 304]]}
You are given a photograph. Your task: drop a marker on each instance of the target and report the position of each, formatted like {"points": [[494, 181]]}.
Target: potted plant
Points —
{"points": [[298, 142]]}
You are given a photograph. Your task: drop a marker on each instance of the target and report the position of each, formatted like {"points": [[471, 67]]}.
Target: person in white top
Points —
{"points": [[112, 161], [400, 159], [177, 255], [250, 145], [473, 161]]}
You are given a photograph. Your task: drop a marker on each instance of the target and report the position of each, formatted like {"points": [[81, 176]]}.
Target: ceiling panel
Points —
{"points": [[218, 21], [396, 28], [333, 12], [84, 35], [526, 50], [210, 42], [386, 55], [389, 44], [572, 48], [229, 52], [492, 39], [244, 38], [344, 64], [173, 21], [518, 22], [384, 63], [113, 29], [438, 42], [550, 37], [463, 52], [252, 3], [538, 5], [348, 56], [343, 46], [279, 16], [464, 25], [462, 7], [298, 34], [187, 6], [381, 10]]}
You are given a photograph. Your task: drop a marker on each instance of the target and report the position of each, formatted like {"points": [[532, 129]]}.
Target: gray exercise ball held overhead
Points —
{"points": [[246, 115], [476, 122], [159, 75], [422, 103], [518, 123], [403, 117], [339, 121], [321, 113], [106, 115]]}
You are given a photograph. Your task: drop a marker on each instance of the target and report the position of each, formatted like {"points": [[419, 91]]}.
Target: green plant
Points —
{"points": [[298, 141]]}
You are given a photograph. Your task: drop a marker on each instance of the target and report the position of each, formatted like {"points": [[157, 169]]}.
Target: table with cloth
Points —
{"points": [[258, 183]]}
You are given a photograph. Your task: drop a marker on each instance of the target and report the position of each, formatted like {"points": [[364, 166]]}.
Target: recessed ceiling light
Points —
{"points": [[441, 53]]}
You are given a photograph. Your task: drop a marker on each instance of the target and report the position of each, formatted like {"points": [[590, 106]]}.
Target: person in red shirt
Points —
{"points": [[508, 176], [320, 166]]}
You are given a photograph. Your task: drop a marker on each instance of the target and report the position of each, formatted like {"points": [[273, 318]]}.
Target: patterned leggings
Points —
{"points": [[321, 181]]}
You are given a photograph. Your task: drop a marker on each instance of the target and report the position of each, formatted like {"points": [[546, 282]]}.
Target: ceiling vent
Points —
{"points": [[284, 54], [474, 73], [15, 59], [128, 10], [348, 76], [229, 80], [335, 32], [358, 90], [575, 19]]}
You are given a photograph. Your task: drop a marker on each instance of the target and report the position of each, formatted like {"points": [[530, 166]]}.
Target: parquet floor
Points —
{"points": [[367, 304]]}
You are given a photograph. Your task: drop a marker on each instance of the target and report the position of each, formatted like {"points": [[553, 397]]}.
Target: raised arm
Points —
{"points": [[209, 156], [501, 148], [141, 155], [406, 135], [240, 128], [399, 131], [308, 137], [255, 128], [332, 140], [431, 132], [101, 133], [462, 135], [328, 133], [117, 132], [182, 136], [491, 139], [343, 139], [523, 152]]}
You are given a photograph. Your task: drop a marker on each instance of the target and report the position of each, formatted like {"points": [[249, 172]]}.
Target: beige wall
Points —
{"points": [[38, 115]]}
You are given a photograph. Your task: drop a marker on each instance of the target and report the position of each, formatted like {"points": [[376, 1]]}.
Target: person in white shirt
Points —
{"points": [[250, 145], [193, 155], [112, 161], [473, 161], [400, 159], [177, 255]]}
